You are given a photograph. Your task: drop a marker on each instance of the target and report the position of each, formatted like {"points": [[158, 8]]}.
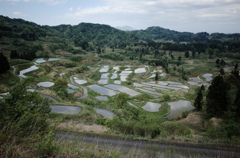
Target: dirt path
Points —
{"points": [[50, 98], [85, 91], [169, 149]]}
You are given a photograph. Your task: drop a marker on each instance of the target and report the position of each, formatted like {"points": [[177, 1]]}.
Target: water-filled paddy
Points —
{"points": [[105, 113], [117, 82], [176, 108], [208, 77], [70, 91], [104, 76], [102, 98], [41, 60], [139, 70], [104, 69], [152, 107], [45, 84], [123, 89], [103, 81], [103, 90], [72, 86], [114, 76], [32, 68], [79, 81], [65, 109]]}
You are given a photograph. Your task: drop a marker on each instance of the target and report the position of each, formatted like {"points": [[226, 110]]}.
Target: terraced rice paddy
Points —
{"points": [[45, 84], [176, 108], [65, 109], [22, 72], [151, 107], [123, 89], [105, 113]]}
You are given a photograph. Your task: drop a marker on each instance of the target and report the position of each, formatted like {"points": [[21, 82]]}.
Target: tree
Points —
{"points": [[222, 72], [27, 109], [14, 54], [193, 53], [4, 64], [156, 76], [222, 63], [121, 99], [217, 97], [236, 66], [217, 61], [187, 54], [99, 50], [179, 58], [199, 101]]}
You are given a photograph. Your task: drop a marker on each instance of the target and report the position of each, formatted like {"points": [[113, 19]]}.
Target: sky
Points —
{"points": [[181, 15]]}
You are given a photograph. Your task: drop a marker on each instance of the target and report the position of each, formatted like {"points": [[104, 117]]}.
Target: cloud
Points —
{"points": [[15, 0], [19, 14], [173, 14], [53, 2], [47, 2]]}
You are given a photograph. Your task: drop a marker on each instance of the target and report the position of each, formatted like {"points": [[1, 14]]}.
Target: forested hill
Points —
{"points": [[161, 34], [99, 35]]}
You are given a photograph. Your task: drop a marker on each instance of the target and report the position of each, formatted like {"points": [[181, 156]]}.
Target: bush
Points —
{"points": [[46, 147], [166, 97], [174, 130]]}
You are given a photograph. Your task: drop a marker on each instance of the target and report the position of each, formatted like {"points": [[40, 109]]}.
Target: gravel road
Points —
{"points": [[173, 149]]}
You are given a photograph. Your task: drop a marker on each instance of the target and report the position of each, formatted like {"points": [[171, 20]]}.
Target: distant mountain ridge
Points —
{"points": [[125, 28], [105, 35]]}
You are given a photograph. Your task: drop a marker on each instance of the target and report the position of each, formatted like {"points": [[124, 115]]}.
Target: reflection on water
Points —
{"points": [[114, 76], [176, 108], [104, 69], [70, 91], [105, 113], [208, 77], [123, 89], [41, 60], [72, 86], [104, 76], [45, 84], [152, 107], [79, 81], [117, 82], [103, 90], [102, 98], [65, 109], [32, 68], [103, 81], [140, 70]]}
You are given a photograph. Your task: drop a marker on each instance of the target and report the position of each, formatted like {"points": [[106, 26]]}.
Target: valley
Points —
{"points": [[106, 82]]}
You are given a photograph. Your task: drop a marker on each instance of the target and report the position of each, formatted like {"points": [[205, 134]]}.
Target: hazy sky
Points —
{"points": [[180, 15]]}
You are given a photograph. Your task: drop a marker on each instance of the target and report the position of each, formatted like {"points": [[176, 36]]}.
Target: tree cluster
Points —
{"points": [[4, 64]]}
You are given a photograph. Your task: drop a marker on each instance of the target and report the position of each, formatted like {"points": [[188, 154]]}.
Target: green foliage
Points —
{"points": [[76, 58], [112, 56], [156, 76], [95, 75], [121, 99], [60, 84], [171, 129], [226, 130], [45, 146], [198, 103], [166, 97], [217, 97], [4, 64]]}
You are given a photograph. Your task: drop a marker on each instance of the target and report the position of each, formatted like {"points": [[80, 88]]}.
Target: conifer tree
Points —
{"points": [[217, 97], [4, 64], [199, 101]]}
